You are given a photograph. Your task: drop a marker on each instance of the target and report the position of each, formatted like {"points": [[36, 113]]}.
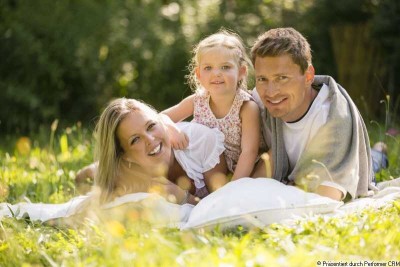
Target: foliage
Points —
{"points": [[65, 59], [366, 59], [370, 235], [44, 172], [49, 60]]}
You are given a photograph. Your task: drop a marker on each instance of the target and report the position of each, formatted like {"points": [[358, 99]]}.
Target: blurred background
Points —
{"points": [[65, 59]]}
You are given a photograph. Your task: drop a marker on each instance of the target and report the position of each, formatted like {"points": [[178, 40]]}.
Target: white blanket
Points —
{"points": [[247, 202], [153, 208]]}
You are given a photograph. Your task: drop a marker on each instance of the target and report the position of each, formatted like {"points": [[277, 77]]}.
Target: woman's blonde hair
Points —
{"points": [[108, 150], [223, 38]]}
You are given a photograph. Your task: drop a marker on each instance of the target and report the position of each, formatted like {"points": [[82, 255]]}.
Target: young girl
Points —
{"points": [[218, 73]]}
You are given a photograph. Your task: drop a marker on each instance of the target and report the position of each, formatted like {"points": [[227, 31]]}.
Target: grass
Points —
{"points": [[43, 170]]}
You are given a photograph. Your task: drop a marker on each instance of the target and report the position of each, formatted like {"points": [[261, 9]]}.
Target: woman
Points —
{"points": [[133, 149], [134, 152]]}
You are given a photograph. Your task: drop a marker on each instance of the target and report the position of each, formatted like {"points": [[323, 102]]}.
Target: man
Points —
{"points": [[318, 139]]}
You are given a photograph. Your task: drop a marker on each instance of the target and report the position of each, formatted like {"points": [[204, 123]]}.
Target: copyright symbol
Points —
{"points": [[318, 263]]}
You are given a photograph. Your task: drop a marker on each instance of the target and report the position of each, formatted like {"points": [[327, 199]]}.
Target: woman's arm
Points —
{"points": [[181, 196], [250, 140], [172, 192]]}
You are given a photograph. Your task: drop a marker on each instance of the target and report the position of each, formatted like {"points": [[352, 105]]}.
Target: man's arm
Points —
{"points": [[264, 167], [331, 192]]}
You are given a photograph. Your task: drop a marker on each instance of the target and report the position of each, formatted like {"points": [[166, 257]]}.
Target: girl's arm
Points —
{"points": [[250, 140], [216, 177], [177, 113], [182, 110]]}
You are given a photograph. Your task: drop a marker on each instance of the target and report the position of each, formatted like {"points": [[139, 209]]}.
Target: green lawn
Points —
{"points": [[43, 169]]}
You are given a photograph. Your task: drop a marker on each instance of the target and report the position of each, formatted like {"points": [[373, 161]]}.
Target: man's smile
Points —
{"points": [[275, 101]]}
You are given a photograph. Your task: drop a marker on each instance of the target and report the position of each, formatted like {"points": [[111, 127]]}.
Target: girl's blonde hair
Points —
{"points": [[223, 38], [108, 150]]}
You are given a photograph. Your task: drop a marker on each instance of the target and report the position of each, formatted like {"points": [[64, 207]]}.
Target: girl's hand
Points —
{"points": [[179, 140]]}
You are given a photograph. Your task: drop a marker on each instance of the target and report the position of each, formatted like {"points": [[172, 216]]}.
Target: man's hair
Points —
{"points": [[282, 41]]}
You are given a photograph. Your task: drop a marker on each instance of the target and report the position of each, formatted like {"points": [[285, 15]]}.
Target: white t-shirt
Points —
{"points": [[202, 154], [297, 135]]}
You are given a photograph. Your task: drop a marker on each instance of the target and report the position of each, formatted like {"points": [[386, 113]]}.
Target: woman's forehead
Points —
{"points": [[134, 122]]}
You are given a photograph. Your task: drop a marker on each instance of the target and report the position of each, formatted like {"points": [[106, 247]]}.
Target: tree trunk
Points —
{"points": [[360, 67]]}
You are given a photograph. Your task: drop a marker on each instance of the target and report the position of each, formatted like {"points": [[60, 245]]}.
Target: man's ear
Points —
{"points": [[310, 73]]}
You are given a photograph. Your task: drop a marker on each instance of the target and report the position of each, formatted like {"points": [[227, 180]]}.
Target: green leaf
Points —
{"points": [[64, 144]]}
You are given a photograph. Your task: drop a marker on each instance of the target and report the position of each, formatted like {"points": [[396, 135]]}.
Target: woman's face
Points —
{"points": [[144, 140]]}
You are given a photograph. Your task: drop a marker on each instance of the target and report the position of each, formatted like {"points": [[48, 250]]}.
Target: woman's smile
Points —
{"points": [[156, 150]]}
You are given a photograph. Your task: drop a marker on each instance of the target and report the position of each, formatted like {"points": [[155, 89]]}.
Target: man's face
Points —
{"points": [[283, 89]]}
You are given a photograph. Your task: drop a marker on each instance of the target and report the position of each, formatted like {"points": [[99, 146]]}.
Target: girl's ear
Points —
{"points": [[197, 71], [242, 72]]}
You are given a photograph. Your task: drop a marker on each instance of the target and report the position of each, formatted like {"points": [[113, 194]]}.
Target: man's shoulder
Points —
{"points": [[323, 79], [257, 99], [333, 86]]}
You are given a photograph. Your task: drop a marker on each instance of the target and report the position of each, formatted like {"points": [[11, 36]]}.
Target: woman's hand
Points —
{"points": [[86, 174], [84, 178]]}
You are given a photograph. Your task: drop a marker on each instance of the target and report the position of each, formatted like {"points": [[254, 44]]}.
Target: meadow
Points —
{"points": [[42, 168]]}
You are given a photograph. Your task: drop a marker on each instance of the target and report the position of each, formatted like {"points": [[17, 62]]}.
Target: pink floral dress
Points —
{"points": [[230, 125]]}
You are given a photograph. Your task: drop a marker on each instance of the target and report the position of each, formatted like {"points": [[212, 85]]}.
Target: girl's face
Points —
{"points": [[144, 140], [218, 71]]}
